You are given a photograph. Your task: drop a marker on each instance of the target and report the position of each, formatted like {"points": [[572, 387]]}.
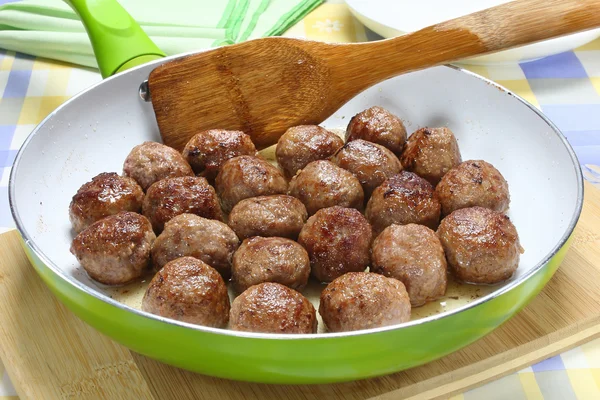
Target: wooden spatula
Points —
{"points": [[265, 86]]}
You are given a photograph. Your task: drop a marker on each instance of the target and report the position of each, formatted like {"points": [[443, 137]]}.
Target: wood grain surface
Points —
{"points": [[265, 86], [50, 354]]}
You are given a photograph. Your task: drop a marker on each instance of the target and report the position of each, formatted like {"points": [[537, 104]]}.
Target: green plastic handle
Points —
{"points": [[118, 41]]}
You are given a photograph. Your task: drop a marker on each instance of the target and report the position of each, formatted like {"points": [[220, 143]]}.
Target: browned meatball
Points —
{"points": [[431, 153], [247, 176], [272, 308], [208, 150], [190, 235], [323, 184], [413, 255], [174, 196], [404, 198], [277, 215], [270, 259], [378, 125], [106, 194], [362, 300], [371, 163], [303, 144], [473, 183], [116, 249], [188, 290], [150, 162], [481, 245], [338, 241]]}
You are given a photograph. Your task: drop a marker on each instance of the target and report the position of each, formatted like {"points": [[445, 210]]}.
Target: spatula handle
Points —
{"points": [[499, 28]]}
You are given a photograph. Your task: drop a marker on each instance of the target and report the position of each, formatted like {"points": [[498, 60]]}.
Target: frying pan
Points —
{"points": [[95, 130]]}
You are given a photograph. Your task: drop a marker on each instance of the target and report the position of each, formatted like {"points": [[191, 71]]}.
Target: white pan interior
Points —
{"points": [[94, 133]]}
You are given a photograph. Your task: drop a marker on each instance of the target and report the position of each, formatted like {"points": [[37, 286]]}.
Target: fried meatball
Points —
{"points": [[403, 199], [378, 125], [272, 308], [276, 215], [481, 245], [150, 162], [338, 241], [270, 259], [208, 150], [116, 249], [323, 184], [473, 183], [247, 176], [174, 196], [371, 163], [362, 300], [303, 144], [431, 153], [190, 235], [414, 255], [106, 194], [188, 290]]}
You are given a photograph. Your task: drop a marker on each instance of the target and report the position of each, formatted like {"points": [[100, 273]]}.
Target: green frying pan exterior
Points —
{"points": [[119, 44], [296, 360]]}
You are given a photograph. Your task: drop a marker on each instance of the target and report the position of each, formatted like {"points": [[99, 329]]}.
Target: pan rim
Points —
{"points": [[294, 337]]}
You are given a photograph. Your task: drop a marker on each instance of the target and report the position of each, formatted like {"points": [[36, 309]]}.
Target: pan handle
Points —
{"points": [[118, 41]]}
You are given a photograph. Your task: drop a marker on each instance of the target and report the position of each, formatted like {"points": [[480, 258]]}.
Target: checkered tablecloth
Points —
{"points": [[566, 87]]}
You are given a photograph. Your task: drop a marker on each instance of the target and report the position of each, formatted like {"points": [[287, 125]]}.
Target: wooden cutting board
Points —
{"points": [[50, 354]]}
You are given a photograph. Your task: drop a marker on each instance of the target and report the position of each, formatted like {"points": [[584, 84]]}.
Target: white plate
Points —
{"points": [[391, 18]]}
